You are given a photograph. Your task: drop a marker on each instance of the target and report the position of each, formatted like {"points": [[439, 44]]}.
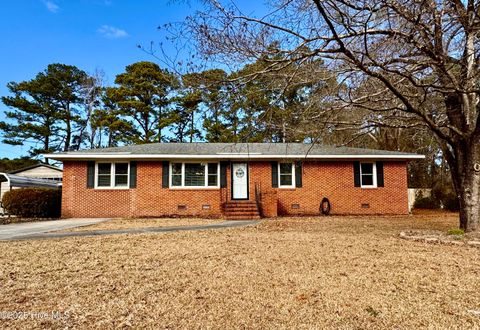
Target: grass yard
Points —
{"points": [[144, 223], [332, 272]]}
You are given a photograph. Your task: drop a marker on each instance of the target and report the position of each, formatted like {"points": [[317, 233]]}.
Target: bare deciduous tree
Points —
{"points": [[413, 51]]}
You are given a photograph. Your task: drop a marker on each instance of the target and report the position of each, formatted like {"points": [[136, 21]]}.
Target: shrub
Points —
{"points": [[451, 203], [456, 232], [33, 202], [426, 203], [441, 191], [446, 195]]}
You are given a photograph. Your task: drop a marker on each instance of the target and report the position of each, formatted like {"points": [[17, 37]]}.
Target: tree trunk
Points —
{"points": [[192, 126], [46, 146], [466, 178], [93, 133], [68, 130], [159, 126]]}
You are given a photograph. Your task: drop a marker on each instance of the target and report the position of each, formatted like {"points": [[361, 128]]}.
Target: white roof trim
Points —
{"points": [[238, 153], [221, 156]]}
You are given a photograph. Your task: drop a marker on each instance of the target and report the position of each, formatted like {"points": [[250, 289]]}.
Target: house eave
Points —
{"points": [[224, 156]]}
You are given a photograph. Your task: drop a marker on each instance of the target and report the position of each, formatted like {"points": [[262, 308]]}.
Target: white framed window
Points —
{"points": [[194, 175], [212, 174], [286, 175], [112, 175], [176, 170], [368, 175]]}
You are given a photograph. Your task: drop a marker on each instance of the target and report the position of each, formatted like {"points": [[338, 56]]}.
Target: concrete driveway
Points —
{"points": [[44, 231], [19, 230]]}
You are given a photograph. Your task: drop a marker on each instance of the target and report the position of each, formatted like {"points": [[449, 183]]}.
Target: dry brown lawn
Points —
{"points": [[144, 223], [332, 272]]}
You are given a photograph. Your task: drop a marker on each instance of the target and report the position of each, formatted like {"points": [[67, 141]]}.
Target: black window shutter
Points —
{"points": [[356, 173], [165, 174], [274, 174], [298, 174], [133, 174], [380, 178], [90, 174], [223, 174]]}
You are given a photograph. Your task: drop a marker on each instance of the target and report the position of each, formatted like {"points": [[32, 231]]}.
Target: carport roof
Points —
{"points": [[23, 181]]}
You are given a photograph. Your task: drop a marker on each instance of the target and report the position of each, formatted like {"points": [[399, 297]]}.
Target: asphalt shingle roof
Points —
{"points": [[257, 150]]}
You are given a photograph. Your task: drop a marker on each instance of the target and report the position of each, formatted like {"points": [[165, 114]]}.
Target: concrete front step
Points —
{"points": [[233, 212], [230, 210], [234, 209], [237, 204], [241, 217], [244, 216], [238, 210]]}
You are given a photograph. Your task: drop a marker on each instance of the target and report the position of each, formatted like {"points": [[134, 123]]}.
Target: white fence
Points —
{"points": [[415, 193]]}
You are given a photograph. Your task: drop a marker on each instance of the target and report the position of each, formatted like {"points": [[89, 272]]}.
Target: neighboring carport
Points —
{"points": [[11, 181]]}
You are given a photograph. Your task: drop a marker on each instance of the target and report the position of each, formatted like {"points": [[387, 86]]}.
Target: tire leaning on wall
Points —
{"points": [[325, 206]]}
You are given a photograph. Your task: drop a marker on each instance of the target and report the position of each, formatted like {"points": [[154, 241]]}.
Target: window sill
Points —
{"points": [[369, 187], [287, 188], [111, 188]]}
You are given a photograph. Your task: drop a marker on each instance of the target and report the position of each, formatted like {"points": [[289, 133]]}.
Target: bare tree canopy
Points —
{"points": [[410, 63]]}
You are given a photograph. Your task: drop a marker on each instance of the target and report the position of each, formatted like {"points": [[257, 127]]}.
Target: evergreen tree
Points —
{"points": [[107, 120], [9, 165], [279, 106], [67, 82], [184, 117], [45, 110], [213, 88], [143, 97]]}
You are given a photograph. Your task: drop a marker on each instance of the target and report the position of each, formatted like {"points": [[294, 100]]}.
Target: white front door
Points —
{"points": [[239, 181]]}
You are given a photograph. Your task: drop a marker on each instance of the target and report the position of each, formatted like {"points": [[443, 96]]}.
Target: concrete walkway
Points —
{"points": [[16, 230], [44, 234]]}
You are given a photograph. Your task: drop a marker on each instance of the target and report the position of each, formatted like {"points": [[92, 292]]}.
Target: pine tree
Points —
{"points": [[143, 97], [45, 109], [212, 87]]}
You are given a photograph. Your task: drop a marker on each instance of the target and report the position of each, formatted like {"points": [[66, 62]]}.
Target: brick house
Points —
{"points": [[234, 181]]}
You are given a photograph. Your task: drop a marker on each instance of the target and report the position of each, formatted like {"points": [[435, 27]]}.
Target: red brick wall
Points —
{"points": [[78, 201], [149, 199], [333, 180]]}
